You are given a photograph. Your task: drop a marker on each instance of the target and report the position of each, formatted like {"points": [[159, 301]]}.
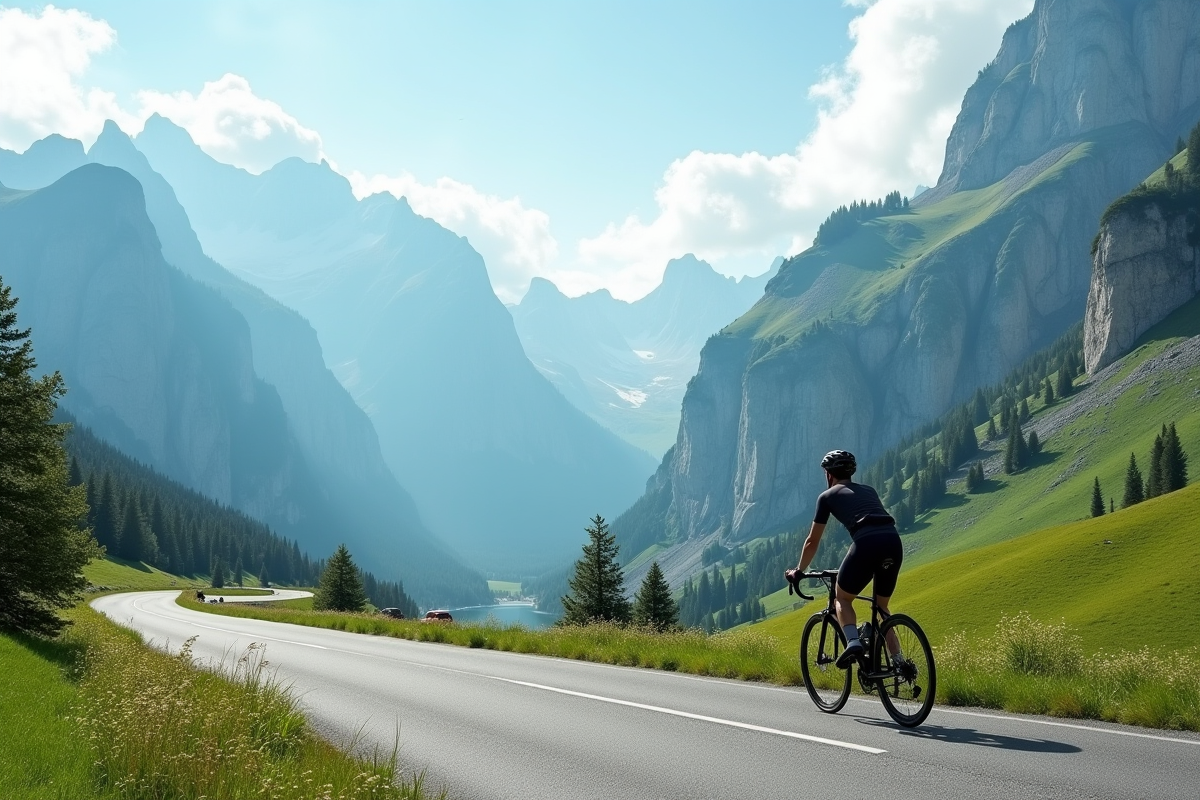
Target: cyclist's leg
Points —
{"points": [[853, 576], [888, 569]]}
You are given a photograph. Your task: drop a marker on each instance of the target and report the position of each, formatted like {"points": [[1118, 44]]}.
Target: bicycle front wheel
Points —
{"points": [[907, 682], [820, 646]]}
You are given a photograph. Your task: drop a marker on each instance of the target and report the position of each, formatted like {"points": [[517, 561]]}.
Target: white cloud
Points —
{"points": [[43, 60], [41, 57], [233, 124], [884, 116], [515, 241]]}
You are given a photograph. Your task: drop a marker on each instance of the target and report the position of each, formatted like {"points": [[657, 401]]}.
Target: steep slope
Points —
{"points": [[163, 368], [499, 463], [626, 364], [856, 344]]}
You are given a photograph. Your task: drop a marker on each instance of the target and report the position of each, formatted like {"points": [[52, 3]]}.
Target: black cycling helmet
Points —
{"points": [[839, 462]]}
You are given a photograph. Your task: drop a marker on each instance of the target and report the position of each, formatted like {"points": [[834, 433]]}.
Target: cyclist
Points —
{"points": [[875, 553]]}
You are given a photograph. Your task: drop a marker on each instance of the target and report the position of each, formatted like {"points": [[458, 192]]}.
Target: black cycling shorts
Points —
{"points": [[874, 555]]}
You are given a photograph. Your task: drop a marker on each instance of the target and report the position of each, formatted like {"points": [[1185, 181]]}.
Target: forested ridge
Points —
{"points": [[139, 515]]}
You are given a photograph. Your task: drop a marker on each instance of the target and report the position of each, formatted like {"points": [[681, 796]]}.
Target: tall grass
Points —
{"points": [[159, 727], [41, 757], [1036, 667], [1024, 666]]}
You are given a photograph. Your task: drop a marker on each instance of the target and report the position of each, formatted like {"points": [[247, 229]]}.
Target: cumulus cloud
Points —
{"points": [[515, 241], [884, 115], [42, 55], [233, 124], [43, 60]]}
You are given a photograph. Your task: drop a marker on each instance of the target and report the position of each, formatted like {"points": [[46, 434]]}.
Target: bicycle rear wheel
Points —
{"points": [[907, 685], [820, 645]]}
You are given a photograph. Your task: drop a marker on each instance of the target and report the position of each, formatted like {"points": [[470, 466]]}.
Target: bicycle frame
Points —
{"points": [[878, 617]]}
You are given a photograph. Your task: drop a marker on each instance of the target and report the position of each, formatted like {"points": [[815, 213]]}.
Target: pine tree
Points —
{"points": [[1154, 482], [992, 434], [263, 579], [43, 541], [1174, 462], [132, 534], [1097, 500], [653, 606], [1024, 410], [1048, 391], [341, 586], [979, 409], [107, 528], [237, 572], [596, 593], [1034, 444], [1134, 493], [1064, 381], [218, 573]]}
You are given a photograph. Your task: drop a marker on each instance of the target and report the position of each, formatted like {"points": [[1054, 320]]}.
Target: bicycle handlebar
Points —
{"points": [[794, 584]]}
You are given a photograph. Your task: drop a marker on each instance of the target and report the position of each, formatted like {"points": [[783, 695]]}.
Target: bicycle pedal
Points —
{"points": [[916, 692]]}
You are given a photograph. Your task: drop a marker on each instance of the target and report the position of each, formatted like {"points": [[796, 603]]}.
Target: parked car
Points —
{"points": [[394, 613], [438, 616]]}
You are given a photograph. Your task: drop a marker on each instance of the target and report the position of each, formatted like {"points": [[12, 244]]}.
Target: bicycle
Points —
{"points": [[906, 686]]}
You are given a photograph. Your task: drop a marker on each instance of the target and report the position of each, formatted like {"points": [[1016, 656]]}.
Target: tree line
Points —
{"points": [[1167, 472], [844, 220]]}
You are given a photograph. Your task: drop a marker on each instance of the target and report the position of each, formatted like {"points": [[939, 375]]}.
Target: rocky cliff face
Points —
{"points": [[1146, 265], [855, 345]]}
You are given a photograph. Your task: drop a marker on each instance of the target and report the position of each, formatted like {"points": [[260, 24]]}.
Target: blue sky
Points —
{"points": [[587, 142]]}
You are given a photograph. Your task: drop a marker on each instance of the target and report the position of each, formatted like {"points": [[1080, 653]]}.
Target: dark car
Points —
{"points": [[394, 613], [438, 616]]}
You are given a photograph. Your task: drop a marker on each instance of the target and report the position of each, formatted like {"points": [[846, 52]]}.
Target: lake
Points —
{"points": [[506, 614]]}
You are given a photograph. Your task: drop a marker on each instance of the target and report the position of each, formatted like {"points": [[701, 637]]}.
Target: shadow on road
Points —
{"points": [[939, 733]]}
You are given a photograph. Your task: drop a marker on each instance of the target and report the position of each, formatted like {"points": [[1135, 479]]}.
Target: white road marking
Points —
{"points": [[1069, 725], [687, 715]]}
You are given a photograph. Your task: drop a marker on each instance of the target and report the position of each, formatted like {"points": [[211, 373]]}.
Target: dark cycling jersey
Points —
{"points": [[855, 505]]}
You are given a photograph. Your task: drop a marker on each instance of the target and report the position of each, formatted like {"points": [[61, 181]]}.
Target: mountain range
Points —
{"points": [[501, 466]]}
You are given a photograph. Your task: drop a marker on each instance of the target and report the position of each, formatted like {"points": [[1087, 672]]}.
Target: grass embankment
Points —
{"points": [[111, 718], [737, 654]]}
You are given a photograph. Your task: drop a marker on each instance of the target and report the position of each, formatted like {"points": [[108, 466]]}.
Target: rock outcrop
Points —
{"points": [[857, 344], [1146, 265]]}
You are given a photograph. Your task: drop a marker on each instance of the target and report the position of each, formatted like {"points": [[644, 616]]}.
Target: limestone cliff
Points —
{"points": [[854, 345], [1146, 265]]}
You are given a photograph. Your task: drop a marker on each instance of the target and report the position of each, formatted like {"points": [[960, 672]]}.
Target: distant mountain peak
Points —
{"points": [[685, 267], [542, 290]]}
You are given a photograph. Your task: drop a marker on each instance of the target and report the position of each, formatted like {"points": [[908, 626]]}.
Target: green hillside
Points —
{"points": [[1097, 443], [876, 259], [1095, 574]]}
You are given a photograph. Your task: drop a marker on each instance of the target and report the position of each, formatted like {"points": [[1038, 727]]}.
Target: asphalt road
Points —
{"points": [[488, 724], [280, 594]]}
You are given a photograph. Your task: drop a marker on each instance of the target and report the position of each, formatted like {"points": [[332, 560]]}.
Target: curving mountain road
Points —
{"points": [[488, 724]]}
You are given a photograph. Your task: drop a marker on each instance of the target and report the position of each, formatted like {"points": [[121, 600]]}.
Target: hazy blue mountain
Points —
{"points": [[499, 463], [340, 490], [626, 364], [42, 164]]}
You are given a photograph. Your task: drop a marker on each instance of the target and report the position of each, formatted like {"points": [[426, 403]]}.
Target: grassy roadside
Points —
{"points": [[1026, 666], [112, 718]]}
